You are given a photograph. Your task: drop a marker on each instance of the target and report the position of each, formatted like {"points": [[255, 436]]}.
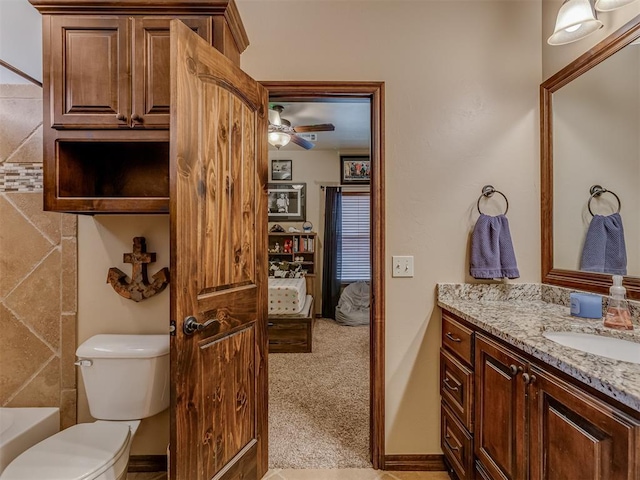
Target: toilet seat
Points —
{"points": [[83, 452]]}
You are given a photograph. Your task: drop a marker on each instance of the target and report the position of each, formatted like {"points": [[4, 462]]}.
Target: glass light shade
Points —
{"points": [[274, 118], [279, 139], [608, 5], [576, 19]]}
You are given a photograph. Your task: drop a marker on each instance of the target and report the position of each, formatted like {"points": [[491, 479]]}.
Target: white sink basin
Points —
{"points": [[609, 347]]}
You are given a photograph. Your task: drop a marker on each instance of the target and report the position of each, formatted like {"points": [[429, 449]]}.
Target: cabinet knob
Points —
{"points": [[528, 379], [121, 116], [136, 118], [515, 370]]}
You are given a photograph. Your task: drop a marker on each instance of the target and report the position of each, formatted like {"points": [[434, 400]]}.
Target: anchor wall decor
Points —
{"points": [[138, 288]]}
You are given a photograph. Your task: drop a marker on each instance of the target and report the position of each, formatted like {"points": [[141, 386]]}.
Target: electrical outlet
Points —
{"points": [[402, 266]]}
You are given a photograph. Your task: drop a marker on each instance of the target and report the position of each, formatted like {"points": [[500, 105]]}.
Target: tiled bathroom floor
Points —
{"points": [[342, 474]]}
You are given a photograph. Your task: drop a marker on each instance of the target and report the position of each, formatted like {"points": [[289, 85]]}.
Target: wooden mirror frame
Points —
{"points": [[593, 282]]}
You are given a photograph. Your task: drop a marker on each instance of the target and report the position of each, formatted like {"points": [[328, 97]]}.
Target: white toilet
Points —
{"points": [[126, 379]]}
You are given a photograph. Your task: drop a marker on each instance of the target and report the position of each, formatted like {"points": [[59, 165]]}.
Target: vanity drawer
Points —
{"points": [[456, 388], [456, 444], [457, 338]]}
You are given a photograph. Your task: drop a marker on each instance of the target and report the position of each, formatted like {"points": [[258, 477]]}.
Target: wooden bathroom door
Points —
{"points": [[218, 174]]}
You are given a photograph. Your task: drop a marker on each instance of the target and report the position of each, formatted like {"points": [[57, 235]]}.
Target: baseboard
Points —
{"points": [[417, 463], [147, 463]]}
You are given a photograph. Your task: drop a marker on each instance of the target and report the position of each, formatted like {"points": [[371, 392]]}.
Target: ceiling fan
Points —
{"points": [[281, 131]]}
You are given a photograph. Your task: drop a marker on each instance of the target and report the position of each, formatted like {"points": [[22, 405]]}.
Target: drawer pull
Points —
{"points": [[448, 385], [451, 337], [451, 447], [270, 324]]}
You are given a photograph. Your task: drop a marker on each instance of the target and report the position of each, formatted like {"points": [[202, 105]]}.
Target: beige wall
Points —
{"points": [[102, 240], [37, 269], [461, 111]]}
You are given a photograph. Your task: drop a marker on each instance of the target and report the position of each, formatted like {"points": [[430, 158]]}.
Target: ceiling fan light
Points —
{"points": [[576, 19], [608, 5], [279, 139]]}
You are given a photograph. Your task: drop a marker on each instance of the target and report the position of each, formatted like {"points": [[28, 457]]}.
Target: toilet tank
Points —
{"points": [[126, 377]]}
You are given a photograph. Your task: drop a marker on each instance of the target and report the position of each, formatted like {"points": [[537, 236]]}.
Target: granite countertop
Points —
{"points": [[518, 314]]}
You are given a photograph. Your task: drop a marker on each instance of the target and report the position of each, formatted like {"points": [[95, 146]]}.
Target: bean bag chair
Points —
{"points": [[353, 306]]}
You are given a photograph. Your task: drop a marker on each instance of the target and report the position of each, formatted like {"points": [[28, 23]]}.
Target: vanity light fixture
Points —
{"points": [[608, 5], [576, 19]]}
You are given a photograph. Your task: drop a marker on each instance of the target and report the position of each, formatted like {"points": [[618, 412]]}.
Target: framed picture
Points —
{"points": [[287, 202], [355, 170], [281, 170]]}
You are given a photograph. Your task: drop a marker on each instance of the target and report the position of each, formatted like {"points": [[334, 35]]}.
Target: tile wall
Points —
{"points": [[38, 268]]}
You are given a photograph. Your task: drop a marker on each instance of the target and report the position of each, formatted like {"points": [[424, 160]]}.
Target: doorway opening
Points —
{"points": [[370, 94]]}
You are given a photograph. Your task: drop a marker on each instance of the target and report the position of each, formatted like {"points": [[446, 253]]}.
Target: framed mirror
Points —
{"points": [[590, 138]]}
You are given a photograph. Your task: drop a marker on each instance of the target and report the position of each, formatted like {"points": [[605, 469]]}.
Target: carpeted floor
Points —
{"points": [[319, 402]]}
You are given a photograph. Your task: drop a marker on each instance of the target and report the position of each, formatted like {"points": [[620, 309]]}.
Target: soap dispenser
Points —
{"points": [[617, 314]]}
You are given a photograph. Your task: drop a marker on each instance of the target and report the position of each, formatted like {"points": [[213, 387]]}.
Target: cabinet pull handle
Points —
{"points": [[448, 385], [121, 116], [528, 379], [450, 336], [270, 324], [451, 447], [136, 118]]}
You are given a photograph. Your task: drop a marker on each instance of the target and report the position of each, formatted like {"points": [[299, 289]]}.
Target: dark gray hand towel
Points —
{"points": [[604, 249], [492, 254]]}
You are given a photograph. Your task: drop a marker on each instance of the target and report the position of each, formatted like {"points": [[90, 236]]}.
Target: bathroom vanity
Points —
{"points": [[518, 405]]}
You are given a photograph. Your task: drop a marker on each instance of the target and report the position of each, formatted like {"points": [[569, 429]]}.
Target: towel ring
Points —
{"points": [[596, 191], [488, 191]]}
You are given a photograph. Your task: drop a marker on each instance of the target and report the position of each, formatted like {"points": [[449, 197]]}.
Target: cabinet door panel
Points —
{"points": [[574, 435], [150, 70], [89, 72], [500, 411]]}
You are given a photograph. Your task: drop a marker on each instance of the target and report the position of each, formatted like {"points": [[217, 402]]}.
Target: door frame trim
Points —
{"points": [[374, 91]]}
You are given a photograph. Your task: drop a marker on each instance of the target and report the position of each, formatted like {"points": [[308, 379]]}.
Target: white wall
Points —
{"points": [[461, 111], [20, 40]]}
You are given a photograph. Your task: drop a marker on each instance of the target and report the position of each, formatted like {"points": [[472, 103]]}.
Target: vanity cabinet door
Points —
{"points": [[500, 421], [574, 435]]}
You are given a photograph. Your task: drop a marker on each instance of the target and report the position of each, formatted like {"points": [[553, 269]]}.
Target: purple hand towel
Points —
{"points": [[604, 249], [492, 254]]}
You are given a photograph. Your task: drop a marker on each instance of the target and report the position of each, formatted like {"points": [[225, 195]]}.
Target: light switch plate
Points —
{"points": [[402, 266]]}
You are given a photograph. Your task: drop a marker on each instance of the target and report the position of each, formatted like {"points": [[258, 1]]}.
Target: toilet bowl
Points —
{"points": [[87, 451], [127, 379]]}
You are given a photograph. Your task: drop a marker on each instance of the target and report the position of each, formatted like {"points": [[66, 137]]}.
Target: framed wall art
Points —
{"points": [[355, 170], [281, 170], [287, 202]]}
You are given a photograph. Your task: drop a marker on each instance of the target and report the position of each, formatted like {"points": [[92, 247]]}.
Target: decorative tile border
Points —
{"points": [[21, 177]]}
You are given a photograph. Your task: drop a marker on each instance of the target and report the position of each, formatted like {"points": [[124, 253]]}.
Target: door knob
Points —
{"points": [[191, 325]]}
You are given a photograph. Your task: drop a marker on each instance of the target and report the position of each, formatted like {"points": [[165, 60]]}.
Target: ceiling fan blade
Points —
{"points": [[301, 142], [322, 127]]}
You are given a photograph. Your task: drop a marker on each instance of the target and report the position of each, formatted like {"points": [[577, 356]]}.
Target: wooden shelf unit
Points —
{"points": [[304, 245]]}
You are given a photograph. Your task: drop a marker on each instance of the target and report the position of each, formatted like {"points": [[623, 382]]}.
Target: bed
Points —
{"points": [[287, 296], [291, 316]]}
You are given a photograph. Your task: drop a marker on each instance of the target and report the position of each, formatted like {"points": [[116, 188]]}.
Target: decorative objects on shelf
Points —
{"points": [[307, 226], [138, 288], [355, 170]]}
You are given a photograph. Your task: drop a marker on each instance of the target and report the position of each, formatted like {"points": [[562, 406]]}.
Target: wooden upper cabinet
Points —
{"points": [[150, 68], [89, 65], [113, 72]]}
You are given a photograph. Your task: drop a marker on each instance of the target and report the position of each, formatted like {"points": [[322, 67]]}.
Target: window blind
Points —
{"points": [[356, 237]]}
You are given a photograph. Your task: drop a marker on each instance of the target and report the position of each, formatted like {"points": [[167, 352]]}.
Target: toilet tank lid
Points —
{"points": [[124, 346]]}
